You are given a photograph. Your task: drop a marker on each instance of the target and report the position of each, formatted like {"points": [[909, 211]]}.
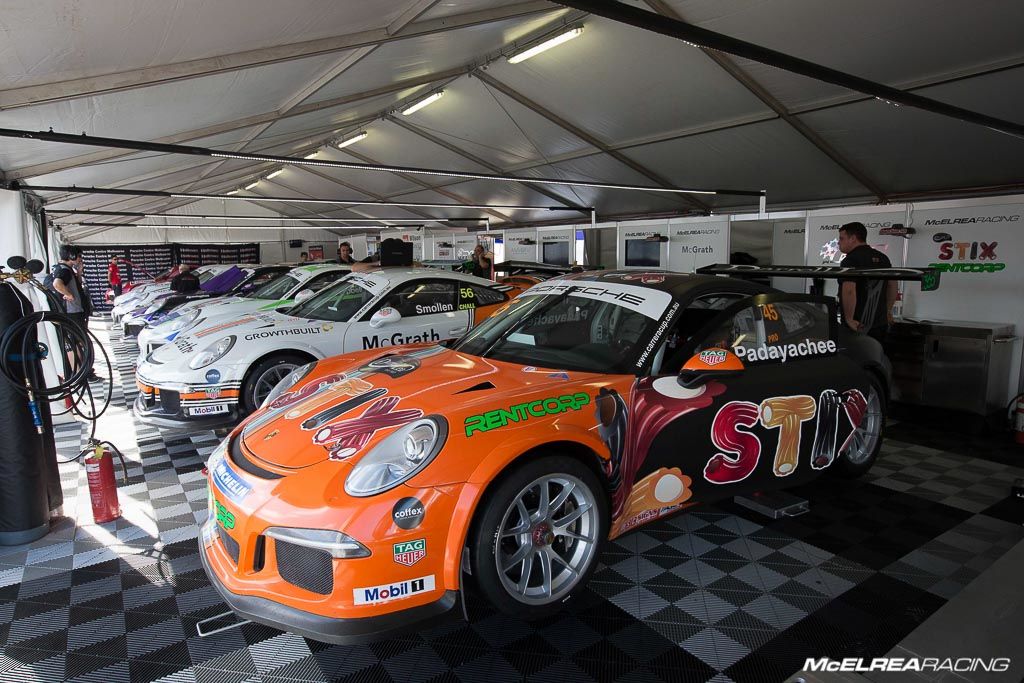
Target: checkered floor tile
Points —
{"points": [[719, 594]]}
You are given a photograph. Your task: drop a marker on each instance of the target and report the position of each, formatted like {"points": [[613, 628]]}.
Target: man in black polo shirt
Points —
{"points": [[865, 305]]}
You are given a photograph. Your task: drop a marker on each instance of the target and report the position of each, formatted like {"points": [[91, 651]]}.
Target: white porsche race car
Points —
{"points": [[144, 295], [220, 373], [293, 287]]}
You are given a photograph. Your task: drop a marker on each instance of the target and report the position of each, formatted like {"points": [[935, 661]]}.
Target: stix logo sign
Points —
{"points": [[409, 553], [732, 433], [967, 257]]}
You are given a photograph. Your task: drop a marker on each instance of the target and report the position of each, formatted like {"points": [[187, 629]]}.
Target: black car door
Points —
{"points": [[776, 422]]}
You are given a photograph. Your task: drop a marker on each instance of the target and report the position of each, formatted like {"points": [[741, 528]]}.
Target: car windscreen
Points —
{"points": [[565, 331], [336, 304], [205, 276], [275, 289]]}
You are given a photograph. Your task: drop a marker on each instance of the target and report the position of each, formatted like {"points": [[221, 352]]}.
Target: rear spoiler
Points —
{"points": [[520, 267], [928, 277], [443, 263]]}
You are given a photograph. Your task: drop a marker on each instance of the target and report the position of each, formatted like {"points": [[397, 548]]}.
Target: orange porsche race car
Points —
{"points": [[356, 501]]}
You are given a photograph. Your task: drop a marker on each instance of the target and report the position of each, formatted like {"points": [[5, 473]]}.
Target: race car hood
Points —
{"points": [[247, 328], [336, 411]]}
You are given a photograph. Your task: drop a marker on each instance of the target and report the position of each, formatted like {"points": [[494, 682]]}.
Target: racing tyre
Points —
{"points": [[866, 441], [538, 535], [265, 376]]}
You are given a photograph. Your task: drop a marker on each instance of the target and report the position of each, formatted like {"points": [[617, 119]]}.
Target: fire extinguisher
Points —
{"points": [[99, 468]]}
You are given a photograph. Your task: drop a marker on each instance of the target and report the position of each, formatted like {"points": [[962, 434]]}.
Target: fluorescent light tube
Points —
{"points": [[275, 173], [311, 156], [546, 45], [252, 185], [429, 99], [352, 140]]}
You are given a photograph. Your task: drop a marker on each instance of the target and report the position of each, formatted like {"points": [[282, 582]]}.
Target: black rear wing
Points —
{"points": [[520, 267], [928, 277]]}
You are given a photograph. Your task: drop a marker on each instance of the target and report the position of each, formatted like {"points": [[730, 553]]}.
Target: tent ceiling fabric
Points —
{"points": [[667, 108]]}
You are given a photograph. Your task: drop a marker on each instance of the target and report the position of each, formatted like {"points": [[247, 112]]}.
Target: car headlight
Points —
{"points": [[398, 457], [287, 382], [180, 322], [212, 353]]}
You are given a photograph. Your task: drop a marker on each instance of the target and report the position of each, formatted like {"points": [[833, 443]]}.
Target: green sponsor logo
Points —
{"points": [[224, 518], [410, 552], [524, 411]]}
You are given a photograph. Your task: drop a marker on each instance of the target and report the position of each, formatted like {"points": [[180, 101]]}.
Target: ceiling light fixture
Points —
{"points": [[275, 173], [234, 191], [311, 156], [535, 50], [352, 140], [429, 99], [251, 185]]}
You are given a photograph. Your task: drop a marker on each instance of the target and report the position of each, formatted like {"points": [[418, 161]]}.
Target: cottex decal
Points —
{"points": [[398, 338], [410, 552], [283, 333], [345, 437], [392, 591], [213, 375], [228, 482], [807, 347], [523, 411], [731, 432], [407, 513]]}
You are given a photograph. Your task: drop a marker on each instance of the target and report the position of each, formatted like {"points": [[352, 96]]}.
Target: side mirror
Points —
{"points": [[303, 295], [385, 316], [707, 365]]}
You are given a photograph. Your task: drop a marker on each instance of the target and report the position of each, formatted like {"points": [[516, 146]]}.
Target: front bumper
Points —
{"points": [[327, 629], [172, 409]]}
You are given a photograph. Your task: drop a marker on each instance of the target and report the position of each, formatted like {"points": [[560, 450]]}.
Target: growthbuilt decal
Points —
{"points": [[521, 412], [283, 333], [782, 352]]}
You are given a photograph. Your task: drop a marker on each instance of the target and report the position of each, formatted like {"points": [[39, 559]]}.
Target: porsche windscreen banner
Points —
{"points": [[644, 300]]}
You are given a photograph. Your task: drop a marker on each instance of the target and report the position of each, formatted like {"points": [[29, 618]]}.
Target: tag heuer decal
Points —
{"points": [[410, 552], [712, 356]]}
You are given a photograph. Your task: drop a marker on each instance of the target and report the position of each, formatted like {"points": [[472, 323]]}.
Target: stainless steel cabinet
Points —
{"points": [[952, 364]]}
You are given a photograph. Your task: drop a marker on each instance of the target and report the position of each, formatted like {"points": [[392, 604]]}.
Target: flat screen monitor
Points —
{"points": [[643, 253], [555, 253]]}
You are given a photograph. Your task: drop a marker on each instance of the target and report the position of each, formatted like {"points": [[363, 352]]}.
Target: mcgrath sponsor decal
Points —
{"points": [[284, 333], [408, 513], [225, 479], [521, 412], [782, 352], [398, 338], [410, 552], [392, 591], [731, 432]]}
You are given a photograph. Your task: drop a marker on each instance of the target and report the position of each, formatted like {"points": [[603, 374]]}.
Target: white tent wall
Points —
{"points": [[21, 238]]}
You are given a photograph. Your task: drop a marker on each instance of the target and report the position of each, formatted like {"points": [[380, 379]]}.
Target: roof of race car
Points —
{"points": [[676, 284], [398, 274], [309, 270]]}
